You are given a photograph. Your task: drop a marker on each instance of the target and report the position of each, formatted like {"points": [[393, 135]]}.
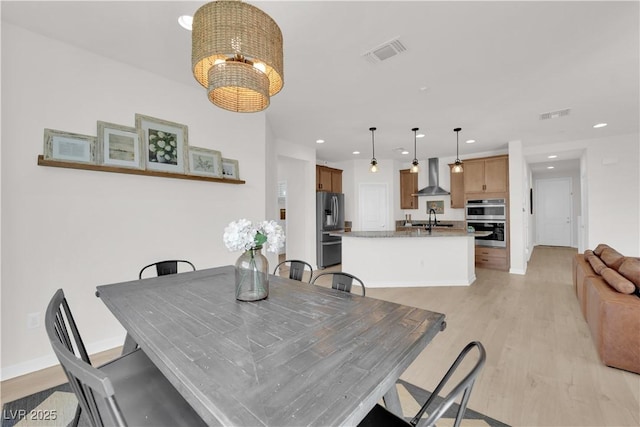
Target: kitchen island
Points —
{"points": [[442, 257]]}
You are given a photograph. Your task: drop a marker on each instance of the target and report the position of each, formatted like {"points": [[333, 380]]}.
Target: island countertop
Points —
{"points": [[446, 232], [410, 257]]}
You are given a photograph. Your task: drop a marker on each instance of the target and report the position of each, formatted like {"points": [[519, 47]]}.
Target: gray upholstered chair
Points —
{"points": [[296, 268], [381, 417], [129, 390], [166, 267], [341, 281]]}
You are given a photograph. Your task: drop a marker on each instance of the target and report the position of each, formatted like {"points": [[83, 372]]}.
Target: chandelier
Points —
{"points": [[236, 54]]}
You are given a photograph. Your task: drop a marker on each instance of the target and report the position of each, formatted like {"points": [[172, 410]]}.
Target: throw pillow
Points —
{"points": [[617, 282], [612, 258], [596, 264], [598, 250], [630, 269]]}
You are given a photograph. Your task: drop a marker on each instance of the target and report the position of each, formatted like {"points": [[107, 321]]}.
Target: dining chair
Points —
{"points": [[166, 267], [379, 416], [296, 268], [129, 390], [341, 281]]}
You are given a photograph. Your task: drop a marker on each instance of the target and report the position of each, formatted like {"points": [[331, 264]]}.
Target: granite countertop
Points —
{"points": [[444, 232]]}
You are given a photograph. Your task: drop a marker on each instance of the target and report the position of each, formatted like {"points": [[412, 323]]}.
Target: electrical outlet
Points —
{"points": [[33, 320]]}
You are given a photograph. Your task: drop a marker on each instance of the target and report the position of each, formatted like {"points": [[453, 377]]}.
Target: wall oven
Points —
{"points": [[490, 232], [494, 209]]}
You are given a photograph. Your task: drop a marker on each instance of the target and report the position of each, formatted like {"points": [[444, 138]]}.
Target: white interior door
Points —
{"points": [[373, 206], [553, 211]]}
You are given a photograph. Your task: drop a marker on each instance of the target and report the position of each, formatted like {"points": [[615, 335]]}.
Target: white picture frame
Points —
{"points": [[119, 145], [165, 144], [69, 147], [230, 169], [205, 162]]}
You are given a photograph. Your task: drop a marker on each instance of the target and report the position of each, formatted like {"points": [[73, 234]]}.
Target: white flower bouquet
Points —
{"points": [[243, 235], [163, 147]]}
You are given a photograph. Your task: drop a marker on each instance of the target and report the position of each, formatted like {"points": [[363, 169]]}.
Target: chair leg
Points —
{"points": [[76, 417], [129, 345]]}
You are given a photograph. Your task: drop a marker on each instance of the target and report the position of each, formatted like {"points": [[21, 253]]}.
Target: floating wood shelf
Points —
{"points": [[114, 169]]}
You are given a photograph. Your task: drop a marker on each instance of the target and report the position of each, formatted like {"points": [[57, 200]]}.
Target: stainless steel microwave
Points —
{"points": [[485, 209]]}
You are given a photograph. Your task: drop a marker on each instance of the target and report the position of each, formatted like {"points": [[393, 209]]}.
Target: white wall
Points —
{"points": [[297, 167], [518, 190], [610, 189], [77, 229], [614, 193]]}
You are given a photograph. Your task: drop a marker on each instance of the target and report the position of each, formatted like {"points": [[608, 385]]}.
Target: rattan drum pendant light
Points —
{"points": [[237, 55]]}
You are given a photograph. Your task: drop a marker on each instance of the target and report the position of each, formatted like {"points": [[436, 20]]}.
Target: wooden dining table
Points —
{"points": [[307, 355]]}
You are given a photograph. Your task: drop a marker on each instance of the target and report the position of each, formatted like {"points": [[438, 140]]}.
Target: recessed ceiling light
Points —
{"points": [[404, 152], [553, 156], [550, 167], [599, 125], [319, 141], [470, 141], [356, 152], [420, 135], [186, 22]]}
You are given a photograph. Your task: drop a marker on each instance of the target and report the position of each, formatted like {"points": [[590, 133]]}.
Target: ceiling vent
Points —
{"points": [[385, 51], [554, 114]]}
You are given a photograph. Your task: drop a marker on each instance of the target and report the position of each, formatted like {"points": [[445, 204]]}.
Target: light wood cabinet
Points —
{"points": [[494, 258], [408, 187], [457, 188], [328, 179], [486, 175]]}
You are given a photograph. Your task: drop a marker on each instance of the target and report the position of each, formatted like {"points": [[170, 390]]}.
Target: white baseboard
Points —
{"points": [[50, 360]]}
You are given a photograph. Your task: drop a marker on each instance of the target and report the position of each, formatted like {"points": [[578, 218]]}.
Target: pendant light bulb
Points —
{"points": [[414, 165], [374, 163], [457, 167]]}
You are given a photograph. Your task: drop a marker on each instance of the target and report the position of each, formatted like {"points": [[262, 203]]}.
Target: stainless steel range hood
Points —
{"points": [[434, 188]]}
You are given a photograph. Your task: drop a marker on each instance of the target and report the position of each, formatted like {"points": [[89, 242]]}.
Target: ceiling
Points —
{"points": [[491, 68]]}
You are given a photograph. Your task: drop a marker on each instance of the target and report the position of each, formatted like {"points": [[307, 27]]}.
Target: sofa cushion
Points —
{"points": [[630, 269], [588, 253], [614, 323], [612, 258], [617, 281], [598, 250], [596, 264]]}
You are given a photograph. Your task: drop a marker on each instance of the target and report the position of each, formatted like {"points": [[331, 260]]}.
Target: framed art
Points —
{"points": [[165, 144], [230, 169], [119, 145], [205, 162], [67, 146], [437, 205]]}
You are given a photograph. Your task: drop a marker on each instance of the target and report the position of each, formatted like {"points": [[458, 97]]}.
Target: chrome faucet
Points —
{"points": [[435, 220]]}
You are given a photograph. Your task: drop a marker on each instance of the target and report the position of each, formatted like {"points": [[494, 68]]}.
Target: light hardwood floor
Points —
{"points": [[542, 367]]}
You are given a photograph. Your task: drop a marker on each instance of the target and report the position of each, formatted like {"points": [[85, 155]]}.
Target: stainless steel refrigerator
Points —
{"points": [[329, 217]]}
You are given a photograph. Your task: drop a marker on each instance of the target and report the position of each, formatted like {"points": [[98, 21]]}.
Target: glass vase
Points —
{"points": [[252, 276]]}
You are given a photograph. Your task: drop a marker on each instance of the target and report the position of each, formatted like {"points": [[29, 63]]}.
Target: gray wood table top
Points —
{"points": [[306, 356]]}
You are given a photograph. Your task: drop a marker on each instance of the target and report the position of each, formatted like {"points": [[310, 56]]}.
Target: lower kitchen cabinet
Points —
{"points": [[494, 258]]}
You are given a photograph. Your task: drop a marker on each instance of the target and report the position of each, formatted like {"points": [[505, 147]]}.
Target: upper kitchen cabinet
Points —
{"points": [[328, 179], [457, 188], [486, 175], [408, 187]]}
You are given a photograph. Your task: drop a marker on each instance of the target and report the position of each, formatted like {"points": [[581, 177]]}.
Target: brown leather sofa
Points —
{"points": [[607, 285]]}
